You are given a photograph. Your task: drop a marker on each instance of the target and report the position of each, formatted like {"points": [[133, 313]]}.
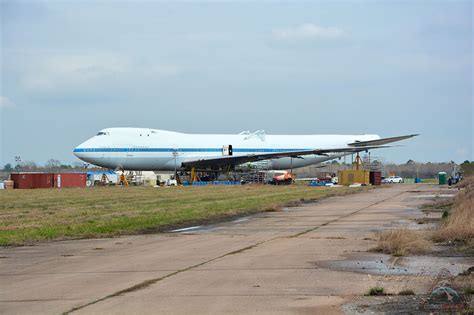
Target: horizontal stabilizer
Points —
{"points": [[380, 141]]}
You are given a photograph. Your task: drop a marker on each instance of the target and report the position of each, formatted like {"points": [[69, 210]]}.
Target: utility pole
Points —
{"points": [[369, 162], [17, 161], [175, 155]]}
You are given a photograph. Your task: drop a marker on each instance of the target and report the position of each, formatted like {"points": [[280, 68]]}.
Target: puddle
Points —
{"points": [[216, 226], [198, 229], [381, 264], [187, 229], [242, 219]]}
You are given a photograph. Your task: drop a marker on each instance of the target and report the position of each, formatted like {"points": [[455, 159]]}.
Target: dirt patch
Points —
{"points": [[383, 264], [417, 304], [448, 294]]}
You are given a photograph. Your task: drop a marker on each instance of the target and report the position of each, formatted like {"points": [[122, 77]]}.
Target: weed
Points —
{"points": [[272, 208], [459, 224], [401, 242], [406, 292], [438, 205], [376, 291], [421, 221]]}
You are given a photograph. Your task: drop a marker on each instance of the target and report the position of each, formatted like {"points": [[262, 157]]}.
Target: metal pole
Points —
{"points": [[369, 163], [291, 170], [18, 161], [175, 154]]}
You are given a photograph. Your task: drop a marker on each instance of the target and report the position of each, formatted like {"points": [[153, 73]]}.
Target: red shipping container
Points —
{"points": [[375, 178], [32, 180], [63, 180]]}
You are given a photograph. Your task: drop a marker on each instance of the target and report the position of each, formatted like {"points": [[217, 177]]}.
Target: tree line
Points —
{"points": [[408, 169], [50, 165]]}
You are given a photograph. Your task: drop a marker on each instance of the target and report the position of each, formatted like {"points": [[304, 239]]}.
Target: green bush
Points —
{"points": [[376, 291]]}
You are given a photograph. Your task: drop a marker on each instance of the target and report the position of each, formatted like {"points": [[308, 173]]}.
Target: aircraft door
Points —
{"points": [[227, 150]]}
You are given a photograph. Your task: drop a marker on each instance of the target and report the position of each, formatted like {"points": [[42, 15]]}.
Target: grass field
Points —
{"points": [[29, 216]]}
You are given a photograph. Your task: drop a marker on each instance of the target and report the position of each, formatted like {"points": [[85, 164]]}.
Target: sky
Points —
{"points": [[72, 68]]}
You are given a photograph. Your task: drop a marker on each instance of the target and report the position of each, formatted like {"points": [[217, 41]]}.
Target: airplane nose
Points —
{"points": [[76, 152], [80, 150]]}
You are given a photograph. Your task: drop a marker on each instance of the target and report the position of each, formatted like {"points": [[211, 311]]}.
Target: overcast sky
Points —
{"points": [[71, 68]]}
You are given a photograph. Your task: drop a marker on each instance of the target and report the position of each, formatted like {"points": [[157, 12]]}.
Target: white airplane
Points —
{"points": [[160, 150]]}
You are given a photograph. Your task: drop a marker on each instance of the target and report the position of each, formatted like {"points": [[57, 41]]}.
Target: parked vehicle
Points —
{"points": [[392, 179], [281, 178], [453, 180]]}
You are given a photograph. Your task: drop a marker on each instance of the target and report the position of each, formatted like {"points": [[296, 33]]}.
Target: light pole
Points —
{"points": [[17, 161], [175, 155]]}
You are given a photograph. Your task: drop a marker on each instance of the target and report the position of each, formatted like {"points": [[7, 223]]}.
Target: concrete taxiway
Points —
{"points": [[274, 262]]}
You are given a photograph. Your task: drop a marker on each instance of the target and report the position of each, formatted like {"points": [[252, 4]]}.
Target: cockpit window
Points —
{"points": [[102, 133]]}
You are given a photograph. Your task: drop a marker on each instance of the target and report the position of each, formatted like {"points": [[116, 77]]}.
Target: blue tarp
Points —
{"points": [[211, 183], [100, 173]]}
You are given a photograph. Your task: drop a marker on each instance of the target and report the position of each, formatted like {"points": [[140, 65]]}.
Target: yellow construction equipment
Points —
{"points": [[194, 177], [123, 180], [357, 162], [104, 180], [354, 176]]}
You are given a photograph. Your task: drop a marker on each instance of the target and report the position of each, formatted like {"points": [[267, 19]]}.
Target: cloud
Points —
{"points": [[63, 73], [82, 78], [5, 102], [308, 31], [59, 71]]}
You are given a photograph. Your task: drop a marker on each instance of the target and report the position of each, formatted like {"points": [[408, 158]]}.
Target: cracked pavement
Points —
{"points": [[265, 263]]}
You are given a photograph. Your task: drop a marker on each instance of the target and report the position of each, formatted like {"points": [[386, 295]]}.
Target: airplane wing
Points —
{"points": [[380, 141], [232, 160], [358, 146]]}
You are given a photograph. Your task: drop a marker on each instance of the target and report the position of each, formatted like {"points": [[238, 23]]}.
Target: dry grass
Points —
{"points": [[459, 225], [376, 291], [401, 242], [467, 182], [439, 205]]}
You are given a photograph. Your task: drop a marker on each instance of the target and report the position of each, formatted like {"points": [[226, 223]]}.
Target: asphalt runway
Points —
{"points": [[267, 263]]}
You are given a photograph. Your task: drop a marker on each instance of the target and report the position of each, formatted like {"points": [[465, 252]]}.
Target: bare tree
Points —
{"points": [[52, 164]]}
